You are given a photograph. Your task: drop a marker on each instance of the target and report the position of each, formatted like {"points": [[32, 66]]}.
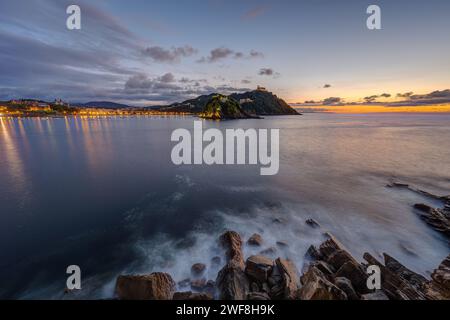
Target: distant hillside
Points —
{"points": [[263, 103], [256, 102], [221, 107], [104, 105]]}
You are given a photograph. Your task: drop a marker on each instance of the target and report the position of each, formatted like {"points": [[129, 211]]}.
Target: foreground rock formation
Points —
{"points": [[331, 274]]}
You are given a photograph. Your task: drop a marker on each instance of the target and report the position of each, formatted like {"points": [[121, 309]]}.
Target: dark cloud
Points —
{"points": [[327, 86], [266, 72], [219, 54], [245, 81], [434, 97], [385, 95], [331, 101], [174, 54], [405, 95], [370, 99]]}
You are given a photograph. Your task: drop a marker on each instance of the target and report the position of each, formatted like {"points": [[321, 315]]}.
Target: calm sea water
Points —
{"points": [[103, 194]]}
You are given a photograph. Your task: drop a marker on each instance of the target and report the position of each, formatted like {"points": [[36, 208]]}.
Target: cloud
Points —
{"points": [[370, 99], [223, 53], [434, 97], [405, 95], [167, 78], [385, 95], [254, 12], [268, 72], [139, 81], [327, 86], [245, 81], [331, 101], [174, 54]]}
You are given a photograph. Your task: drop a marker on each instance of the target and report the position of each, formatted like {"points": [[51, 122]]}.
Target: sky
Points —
{"points": [[310, 53]]}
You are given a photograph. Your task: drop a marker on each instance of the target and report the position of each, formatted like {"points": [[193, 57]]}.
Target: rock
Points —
{"points": [[282, 244], [312, 223], [396, 267], [258, 268], [377, 295], [313, 253], [345, 285], [356, 274], [258, 296], [269, 251], [232, 243], [289, 278], [184, 283], [278, 221], [232, 282], [198, 284], [394, 285], [339, 258], [439, 219], [188, 295], [324, 267], [255, 240], [317, 287], [439, 287], [156, 286], [198, 269]]}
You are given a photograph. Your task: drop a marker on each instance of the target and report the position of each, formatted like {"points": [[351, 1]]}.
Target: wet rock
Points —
{"points": [[345, 285], [198, 269], [184, 283], [313, 253], [269, 251], [198, 284], [377, 295], [156, 286], [278, 221], [282, 244], [396, 267], [258, 268], [439, 287], [438, 219], [312, 223], [317, 287], [394, 285], [324, 267], [289, 279], [356, 274], [257, 296], [232, 283], [232, 243], [189, 295], [255, 240]]}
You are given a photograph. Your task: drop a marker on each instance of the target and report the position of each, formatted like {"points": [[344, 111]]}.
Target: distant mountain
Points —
{"points": [[262, 102], [220, 107], [103, 105], [257, 102]]}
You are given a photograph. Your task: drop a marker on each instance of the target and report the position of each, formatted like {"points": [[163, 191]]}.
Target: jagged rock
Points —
{"points": [[289, 278], [312, 223], [232, 282], [313, 253], [394, 285], [258, 268], [317, 287], [377, 295], [345, 285], [439, 219], [396, 267], [197, 269], [188, 295], [258, 296], [255, 240], [439, 287], [156, 286], [355, 273], [232, 243], [324, 267]]}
